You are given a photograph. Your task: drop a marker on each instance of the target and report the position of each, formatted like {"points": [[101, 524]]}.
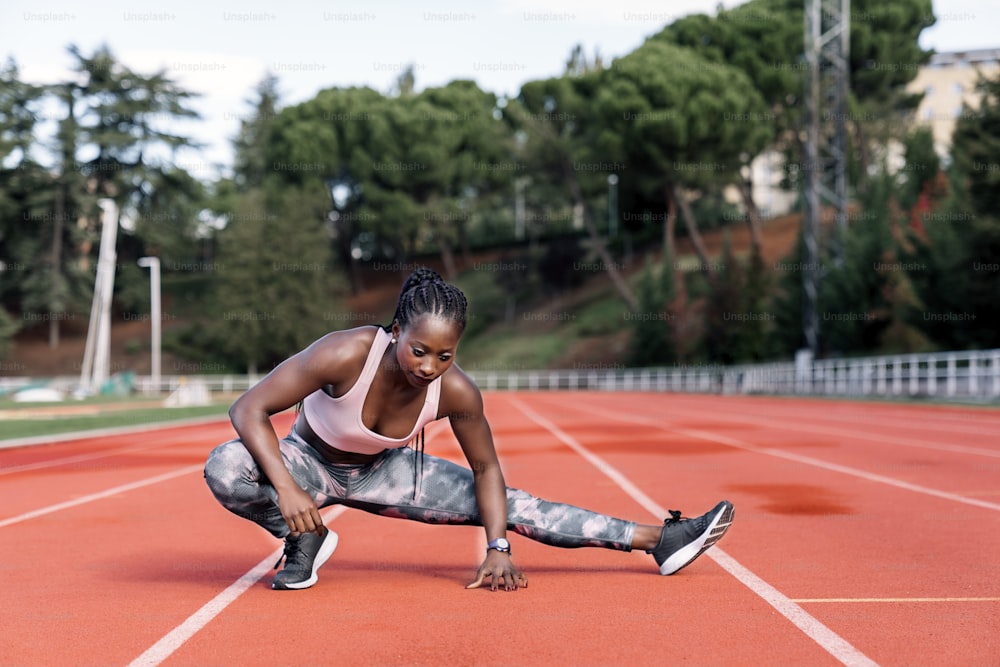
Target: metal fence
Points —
{"points": [[973, 375], [967, 376]]}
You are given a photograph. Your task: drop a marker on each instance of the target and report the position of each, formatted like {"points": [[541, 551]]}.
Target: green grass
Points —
{"points": [[504, 350], [26, 428], [602, 315]]}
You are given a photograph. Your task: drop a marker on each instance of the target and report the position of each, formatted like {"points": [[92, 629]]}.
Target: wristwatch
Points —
{"points": [[500, 544]]}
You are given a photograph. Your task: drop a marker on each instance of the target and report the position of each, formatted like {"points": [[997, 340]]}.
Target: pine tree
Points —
{"points": [[653, 324]]}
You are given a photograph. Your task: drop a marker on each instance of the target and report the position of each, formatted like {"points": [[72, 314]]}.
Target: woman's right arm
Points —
{"points": [[286, 385]]}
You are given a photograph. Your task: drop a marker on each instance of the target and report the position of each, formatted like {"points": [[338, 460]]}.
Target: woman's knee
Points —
{"points": [[226, 466]]}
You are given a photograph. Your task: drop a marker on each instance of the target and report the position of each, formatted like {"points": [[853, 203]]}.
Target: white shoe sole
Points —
{"points": [[717, 527], [325, 551]]}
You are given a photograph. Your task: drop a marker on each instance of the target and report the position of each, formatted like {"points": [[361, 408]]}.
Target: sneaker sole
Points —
{"points": [[325, 551], [724, 513]]}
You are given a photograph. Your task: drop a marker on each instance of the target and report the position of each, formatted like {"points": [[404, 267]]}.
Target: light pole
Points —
{"points": [[153, 263], [612, 205]]}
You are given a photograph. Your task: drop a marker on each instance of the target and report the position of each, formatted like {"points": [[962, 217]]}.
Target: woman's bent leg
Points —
{"points": [[445, 493], [238, 483]]}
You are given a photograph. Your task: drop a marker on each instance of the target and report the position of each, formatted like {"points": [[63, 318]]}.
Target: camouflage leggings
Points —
{"points": [[389, 486]]}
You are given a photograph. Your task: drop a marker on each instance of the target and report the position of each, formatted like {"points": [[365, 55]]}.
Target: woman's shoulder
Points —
{"points": [[363, 335], [459, 392], [345, 348]]}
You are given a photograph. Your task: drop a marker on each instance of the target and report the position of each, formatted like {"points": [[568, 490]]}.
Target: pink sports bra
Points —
{"points": [[337, 421]]}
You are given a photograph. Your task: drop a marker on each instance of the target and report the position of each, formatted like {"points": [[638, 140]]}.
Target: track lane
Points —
{"points": [[87, 583], [876, 453], [393, 593], [45, 476], [818, 534]]}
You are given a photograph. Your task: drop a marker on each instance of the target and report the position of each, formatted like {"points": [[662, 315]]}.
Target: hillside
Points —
{"points": [[596, 338]]}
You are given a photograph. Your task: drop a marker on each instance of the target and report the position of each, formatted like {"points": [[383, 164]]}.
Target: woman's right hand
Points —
{"points": [[300, 511]]}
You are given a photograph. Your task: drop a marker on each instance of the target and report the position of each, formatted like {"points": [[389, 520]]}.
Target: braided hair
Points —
{"points": [[426, 293]]}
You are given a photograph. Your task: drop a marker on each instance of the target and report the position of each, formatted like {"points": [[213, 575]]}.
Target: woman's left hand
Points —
{"points": [[497, 566]]}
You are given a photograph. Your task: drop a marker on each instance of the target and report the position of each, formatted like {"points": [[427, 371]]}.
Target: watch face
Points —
{"points": [[503, 544]]}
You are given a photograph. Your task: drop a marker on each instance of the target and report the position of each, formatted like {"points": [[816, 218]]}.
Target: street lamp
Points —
{"points": [[153, 263], [612, 205]]}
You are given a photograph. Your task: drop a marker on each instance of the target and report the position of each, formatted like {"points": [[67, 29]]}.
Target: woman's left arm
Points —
{"points": [[464, 408]]}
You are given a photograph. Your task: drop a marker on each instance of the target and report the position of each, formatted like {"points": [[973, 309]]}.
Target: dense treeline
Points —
{"points": [[588, 169]]}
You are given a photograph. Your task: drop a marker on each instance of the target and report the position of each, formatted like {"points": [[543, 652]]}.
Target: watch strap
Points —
{"points": [[500, 544]]}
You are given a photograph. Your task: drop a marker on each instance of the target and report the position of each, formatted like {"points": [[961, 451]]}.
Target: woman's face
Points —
{"points": [[426, 347]]}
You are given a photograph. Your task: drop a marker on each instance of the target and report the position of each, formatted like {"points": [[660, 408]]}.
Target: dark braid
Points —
{"points": [[426, 293]]}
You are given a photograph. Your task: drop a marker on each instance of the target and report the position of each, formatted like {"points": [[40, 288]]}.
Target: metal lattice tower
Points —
{"points": [[827, 52]]}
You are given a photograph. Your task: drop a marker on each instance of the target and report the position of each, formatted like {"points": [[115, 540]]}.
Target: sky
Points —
{"points": [[222, 50]]}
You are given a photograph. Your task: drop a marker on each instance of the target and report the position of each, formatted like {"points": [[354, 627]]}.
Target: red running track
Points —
{"points": [[864, 534]]}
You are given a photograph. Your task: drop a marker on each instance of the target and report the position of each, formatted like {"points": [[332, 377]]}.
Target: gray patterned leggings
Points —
{"points": [[444, 493]]}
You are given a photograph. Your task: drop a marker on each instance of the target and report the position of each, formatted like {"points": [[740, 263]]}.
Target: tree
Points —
{"points": [[33, 222], [111, 142], [976, 147], [680, 123], [555, 123], [273, 290], [653, 328], [250, 163], [953, 266]]}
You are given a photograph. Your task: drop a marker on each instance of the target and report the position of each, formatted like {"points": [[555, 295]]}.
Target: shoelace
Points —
{"points": [[291, 549], [675, 517]]}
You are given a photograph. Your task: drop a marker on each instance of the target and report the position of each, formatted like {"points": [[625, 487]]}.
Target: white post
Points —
{"points": [[995, 369], [153, 263], [97, 349], [950, 383]]}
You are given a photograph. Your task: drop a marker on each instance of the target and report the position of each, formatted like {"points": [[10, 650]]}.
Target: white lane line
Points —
{"points": [[838, 600], [826, 638], [114, 430], [80, 457], [922, 420], [174, 639], [102, 494], [798, 458], [796, 425]]}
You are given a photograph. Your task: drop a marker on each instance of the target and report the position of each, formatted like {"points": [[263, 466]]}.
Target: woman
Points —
{"points": [[368, 392]]}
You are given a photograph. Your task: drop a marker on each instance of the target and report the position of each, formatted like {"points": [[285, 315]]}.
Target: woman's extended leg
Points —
{"points": [[444, 493], [436, 490]]}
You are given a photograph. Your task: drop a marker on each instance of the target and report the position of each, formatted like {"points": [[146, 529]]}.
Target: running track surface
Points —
{"points": [[864, 534]]}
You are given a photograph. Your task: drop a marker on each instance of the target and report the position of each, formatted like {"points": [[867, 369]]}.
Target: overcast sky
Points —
{"points": [[222, 50]]}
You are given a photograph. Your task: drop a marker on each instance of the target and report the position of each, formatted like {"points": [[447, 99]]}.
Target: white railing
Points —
{"points": [[970, 376]]}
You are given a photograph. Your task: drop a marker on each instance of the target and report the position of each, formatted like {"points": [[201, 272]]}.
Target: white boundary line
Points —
{"points": [[795, 425], [56, 438], [68, 460], [176, 638], [798, 458], [101, 494], [934, 422], [826, 638], [897, 600]]}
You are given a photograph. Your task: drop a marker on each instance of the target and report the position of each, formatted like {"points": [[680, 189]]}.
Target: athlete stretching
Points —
{"points": [[368, 392]]}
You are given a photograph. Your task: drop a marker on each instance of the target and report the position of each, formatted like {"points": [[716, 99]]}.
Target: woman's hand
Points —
{"points": [[300, 511], [497, 566]]}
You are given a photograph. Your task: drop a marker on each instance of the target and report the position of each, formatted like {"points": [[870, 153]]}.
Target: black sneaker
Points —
{"points": [[683, 540], [303, 556]]}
